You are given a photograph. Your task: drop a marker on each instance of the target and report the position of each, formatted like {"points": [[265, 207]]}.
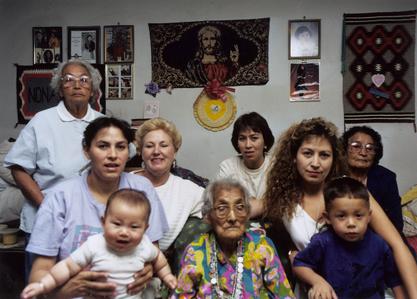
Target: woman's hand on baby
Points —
{"points": [[88, 283], [322, 290], [141, 279]]}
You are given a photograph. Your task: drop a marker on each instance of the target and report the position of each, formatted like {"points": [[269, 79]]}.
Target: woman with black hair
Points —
{"points": [[252, 139], [364, 150], [72, 211]]}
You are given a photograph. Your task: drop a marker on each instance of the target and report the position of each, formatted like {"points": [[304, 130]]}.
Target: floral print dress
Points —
{"points": [[263, 275]]}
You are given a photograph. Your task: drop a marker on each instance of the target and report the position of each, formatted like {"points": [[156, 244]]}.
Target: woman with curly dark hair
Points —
{"points": [[308, 155]]}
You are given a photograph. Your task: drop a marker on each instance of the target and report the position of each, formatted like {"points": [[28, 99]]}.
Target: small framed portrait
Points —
{"points": [[84, 43], [119, 81], [118, 44], [305, 82], [47, 44], [304, 39]]}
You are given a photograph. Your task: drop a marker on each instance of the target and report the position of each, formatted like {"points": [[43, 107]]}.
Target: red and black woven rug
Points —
{"points": [[378, 78]]}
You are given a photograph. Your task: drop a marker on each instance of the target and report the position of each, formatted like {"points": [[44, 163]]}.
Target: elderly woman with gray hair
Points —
{"points": [[230, 261], [48, 150]]}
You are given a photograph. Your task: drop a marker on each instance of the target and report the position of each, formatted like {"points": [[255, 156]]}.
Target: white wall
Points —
{"points": [[202, 150]]}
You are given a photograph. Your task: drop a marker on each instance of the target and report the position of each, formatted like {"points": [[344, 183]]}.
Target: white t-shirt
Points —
{"points": [[120, 267], [180, 198], [253, 179]]}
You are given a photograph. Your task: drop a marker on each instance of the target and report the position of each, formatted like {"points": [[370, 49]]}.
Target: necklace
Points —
{"points": [[214, 275]]}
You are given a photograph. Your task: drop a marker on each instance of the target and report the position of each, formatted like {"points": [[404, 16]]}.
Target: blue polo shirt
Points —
{"points": [[49, 148], [354, 269]]}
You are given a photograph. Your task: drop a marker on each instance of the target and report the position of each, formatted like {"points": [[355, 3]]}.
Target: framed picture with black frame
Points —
{"points": [[84, 43], [304, 39], [118, 44], [47, 45]]}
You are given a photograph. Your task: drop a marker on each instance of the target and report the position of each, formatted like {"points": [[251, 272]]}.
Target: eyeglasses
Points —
{"points": [[222, 211], [69, 80], [357, 147]]}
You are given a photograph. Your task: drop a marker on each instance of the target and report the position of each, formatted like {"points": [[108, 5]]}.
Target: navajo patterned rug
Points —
{"points": [[190, 54], [378, 79]]}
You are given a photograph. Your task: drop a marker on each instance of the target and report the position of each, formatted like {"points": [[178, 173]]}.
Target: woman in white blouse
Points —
{"points": [[252, 139], [158, 141]]}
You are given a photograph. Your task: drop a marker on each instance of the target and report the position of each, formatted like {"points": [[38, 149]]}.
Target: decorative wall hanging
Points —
{"points": [[119, 81], [152, 88], [378, 77], [303, 39], [193, 53], [118, 44], [47, 44], [215, 114], [34, 93], [305, 83], [84, 43]]}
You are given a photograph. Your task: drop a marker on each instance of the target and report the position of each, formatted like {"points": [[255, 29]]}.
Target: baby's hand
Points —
{"points": [[32, 290], [170, 281], [322, 290]]}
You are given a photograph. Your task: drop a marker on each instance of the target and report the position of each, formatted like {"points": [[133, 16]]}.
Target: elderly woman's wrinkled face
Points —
{"points": [[229, 214], [361, 151], [76, 86], [158, 152]]}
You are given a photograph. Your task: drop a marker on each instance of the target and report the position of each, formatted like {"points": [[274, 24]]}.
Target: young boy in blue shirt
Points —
{"points": [[348, 260]]}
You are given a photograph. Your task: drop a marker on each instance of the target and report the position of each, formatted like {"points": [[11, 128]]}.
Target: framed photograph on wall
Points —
{"points": [[304, 39], [47, 45], [119, 81], [84, 43], [118, 44], [305, 82]]}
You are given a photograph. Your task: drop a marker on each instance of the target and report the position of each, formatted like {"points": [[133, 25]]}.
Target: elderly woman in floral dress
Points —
{"points": [[230, 261]]}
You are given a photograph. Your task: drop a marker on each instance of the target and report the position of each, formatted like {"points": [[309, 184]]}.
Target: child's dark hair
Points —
{"points": [[344, 187], [130, 197]]}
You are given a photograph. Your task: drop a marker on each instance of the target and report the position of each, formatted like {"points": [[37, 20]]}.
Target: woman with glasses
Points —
{"points": [[364, 150], [48, 150], [230, 261]]}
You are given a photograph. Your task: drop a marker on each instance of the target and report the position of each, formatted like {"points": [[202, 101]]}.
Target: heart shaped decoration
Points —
{"points": [[378, 79], [215, 109]]}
